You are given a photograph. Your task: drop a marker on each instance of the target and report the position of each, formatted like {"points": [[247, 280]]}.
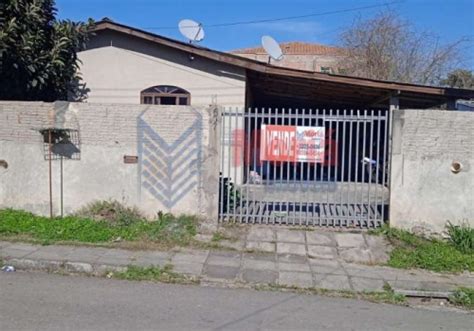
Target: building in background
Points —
{"points": [[300, 55]]}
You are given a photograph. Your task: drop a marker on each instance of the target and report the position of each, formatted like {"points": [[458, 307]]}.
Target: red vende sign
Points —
{"points": [[292, 143]]}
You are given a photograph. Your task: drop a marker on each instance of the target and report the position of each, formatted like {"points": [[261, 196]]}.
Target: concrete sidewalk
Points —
{"points": [[332, 245], [233, 268]]}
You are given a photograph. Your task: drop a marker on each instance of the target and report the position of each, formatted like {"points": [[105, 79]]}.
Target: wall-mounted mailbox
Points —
{"points": [[129, 159]]}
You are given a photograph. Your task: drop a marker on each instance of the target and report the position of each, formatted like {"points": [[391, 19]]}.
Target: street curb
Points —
{"points": [[102, 270], [424, 294], [66, 266]]}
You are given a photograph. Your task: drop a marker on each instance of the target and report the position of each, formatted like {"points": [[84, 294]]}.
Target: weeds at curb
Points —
{"points": [[163, 274], [385, 296], [463, 297]]}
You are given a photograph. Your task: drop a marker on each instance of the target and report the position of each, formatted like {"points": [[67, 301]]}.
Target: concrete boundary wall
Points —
{"points": [[176, 170], [425, 191]]}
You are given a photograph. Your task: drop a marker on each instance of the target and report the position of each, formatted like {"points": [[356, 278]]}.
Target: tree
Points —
{"points": [[38, 53], [387, 47], [460, 78]]}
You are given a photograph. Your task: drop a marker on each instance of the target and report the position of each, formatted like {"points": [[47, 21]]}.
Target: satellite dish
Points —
{"points": [[191, 30], [272, 48]]}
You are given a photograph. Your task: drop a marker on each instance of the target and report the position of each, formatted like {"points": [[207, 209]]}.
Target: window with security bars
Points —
{"points": [[165, 95]]}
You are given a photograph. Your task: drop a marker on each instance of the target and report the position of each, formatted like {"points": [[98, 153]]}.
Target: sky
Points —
{"points": [[449, 19]]}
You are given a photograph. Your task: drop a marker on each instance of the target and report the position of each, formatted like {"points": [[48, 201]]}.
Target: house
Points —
{"points": [[309, 148], [123, 64], [300, 55]]}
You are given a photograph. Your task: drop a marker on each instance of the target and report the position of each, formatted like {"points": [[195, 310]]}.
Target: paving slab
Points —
{"points": [[322, 239], [463, 279], [188, 268], [260, 276], [322, 252], [323, 266], [361, 284], [356, 254], [4, 244], [233, 261], [156, 258], [57, 253], [287, 248], [363, 271], [290, 258], [258, 264], [261, 234], [221, 272], [376, 242], [349, 239], [18, 250], [189, 256], [237, 245], [260, 246], [300, 267], [332, 282], [260, 256], [117, 257], [87, 254], [379, 247], [291, 236], [300, 279], [228, 254]]}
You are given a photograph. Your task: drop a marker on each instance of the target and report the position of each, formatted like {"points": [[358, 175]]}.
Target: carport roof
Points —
{"points": [[353, 90]]}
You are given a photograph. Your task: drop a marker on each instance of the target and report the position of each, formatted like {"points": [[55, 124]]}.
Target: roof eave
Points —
{"points": [[258, 66]]}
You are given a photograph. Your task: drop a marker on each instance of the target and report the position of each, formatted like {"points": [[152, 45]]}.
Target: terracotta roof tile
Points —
{"points": [[296, 48]]}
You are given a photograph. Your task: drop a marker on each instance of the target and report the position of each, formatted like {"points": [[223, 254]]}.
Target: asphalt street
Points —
{"points": [[39, 301]]}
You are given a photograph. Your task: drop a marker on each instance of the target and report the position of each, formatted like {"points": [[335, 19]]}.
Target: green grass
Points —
{"points": [[463, 297], [461, 237], [166, 229], [163, 274], [412, 251]]}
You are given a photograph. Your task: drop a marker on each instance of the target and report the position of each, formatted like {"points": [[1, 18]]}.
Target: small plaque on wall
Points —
{"points": [[130, 159]]}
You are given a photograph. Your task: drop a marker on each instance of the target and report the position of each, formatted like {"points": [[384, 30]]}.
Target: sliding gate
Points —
{"points": [[304, 167]]}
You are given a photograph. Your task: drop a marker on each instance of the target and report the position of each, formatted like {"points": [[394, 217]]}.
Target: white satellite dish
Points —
{"points": [[272, 48], [191, 30]]}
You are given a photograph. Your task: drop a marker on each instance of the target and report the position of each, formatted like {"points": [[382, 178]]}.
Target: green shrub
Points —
{"points": [[112, 212], [461, 237]]}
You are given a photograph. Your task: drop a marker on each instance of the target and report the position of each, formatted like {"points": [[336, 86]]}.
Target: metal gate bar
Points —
{"points": [[346, 187]]}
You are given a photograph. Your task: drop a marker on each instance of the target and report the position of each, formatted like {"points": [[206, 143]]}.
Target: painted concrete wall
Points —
{"points": [[177, 169], [116, 67], [425, 193]]}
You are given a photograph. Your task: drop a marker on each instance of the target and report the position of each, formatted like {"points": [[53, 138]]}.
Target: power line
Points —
{"points": [[283, 18]]}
